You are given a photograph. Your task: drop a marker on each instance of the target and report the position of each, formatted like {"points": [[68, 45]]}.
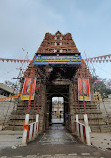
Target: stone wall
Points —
{"points": [[6, 107], [105, 108]]}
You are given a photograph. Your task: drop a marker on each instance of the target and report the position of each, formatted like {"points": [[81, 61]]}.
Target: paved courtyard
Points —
{"points": [[56, 142], [10, 138], [101, 140]]}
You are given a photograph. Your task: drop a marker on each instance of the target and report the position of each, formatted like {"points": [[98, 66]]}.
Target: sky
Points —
{"points": [[23, 24]]}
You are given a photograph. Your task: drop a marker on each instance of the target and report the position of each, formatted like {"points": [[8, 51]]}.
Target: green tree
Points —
{"points": [[100, 85]]}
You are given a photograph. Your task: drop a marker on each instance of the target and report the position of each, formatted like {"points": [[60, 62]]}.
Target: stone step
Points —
{"points": [[89, 112], [23, 112], [32, 109], [94, 121], [23, 117], [16, 127], [100, 128], [24, 107], [93, 106], [20, 123], [92, 118], [92, 113], [86, 104], [82, 108]]}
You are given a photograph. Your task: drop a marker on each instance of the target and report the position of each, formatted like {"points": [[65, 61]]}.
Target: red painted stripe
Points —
{"points": [[75, 126], [36, 126], [79, 131], [84, 134], [57, 62], [33, 130], [28, 131]]}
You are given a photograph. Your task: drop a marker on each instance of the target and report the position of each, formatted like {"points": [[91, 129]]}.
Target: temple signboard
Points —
{"points": [[55, 58]]}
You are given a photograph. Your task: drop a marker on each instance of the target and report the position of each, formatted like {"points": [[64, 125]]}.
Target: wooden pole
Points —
{"points": [[30, 91], [82, 90]]}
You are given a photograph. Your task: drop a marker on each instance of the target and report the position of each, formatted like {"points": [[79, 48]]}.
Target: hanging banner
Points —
{"points": [[26, 89], [83, 88]]}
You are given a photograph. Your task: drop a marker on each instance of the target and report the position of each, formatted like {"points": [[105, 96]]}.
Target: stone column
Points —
{"points": [[43, 105], [71, 106]]}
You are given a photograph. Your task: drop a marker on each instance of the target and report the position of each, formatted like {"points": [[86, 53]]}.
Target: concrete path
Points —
{"points": [[56, 142], [10, 138], [101, 140]]}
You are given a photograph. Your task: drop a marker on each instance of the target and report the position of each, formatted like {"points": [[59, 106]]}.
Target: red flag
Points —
{"points": [[91, 59], [109, 56], [87, 60], [105, 57], [11, 60], [101, 57], [7, 60], [21, 61]]}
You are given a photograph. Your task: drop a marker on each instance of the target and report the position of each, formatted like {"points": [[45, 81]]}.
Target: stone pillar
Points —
{"points": [[42, 111], [71, 106]]}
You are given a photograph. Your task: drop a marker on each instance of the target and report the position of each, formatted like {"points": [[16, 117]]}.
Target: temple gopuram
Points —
{"points": [[57, 70]]}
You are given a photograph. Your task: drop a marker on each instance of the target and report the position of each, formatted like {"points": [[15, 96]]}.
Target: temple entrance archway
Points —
{"points": [[57, 113], [58, 89]]}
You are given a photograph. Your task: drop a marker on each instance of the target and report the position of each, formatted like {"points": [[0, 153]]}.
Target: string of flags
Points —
{"points": [[10, 97], [14, 60], [99, 59]]}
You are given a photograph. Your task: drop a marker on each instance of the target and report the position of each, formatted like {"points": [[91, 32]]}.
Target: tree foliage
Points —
{"points": [[102, 86]]}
